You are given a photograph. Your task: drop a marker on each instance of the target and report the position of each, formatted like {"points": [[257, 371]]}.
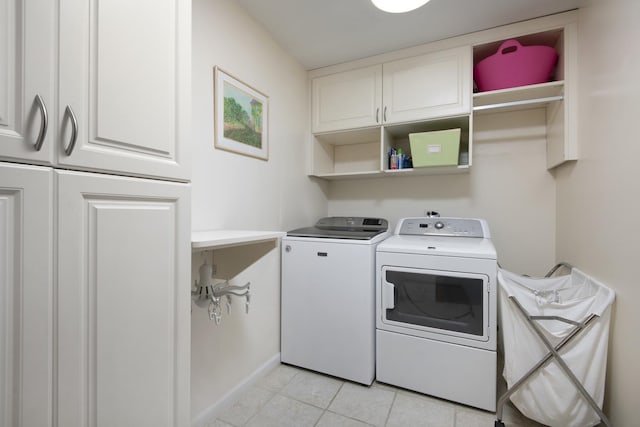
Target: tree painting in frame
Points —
{"points": [[241, 117]]}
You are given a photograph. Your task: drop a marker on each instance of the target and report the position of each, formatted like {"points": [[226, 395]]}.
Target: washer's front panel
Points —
{"points": [[328, 304]]}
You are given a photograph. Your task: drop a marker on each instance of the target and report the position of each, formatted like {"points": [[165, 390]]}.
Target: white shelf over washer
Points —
{"points": [[218, 239]]}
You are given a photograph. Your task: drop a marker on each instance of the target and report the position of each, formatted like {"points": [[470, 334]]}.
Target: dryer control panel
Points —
{"points": [[443, 226]]}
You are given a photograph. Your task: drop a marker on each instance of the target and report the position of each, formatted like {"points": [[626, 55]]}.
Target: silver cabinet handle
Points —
{"points": [[384, 114], [44, 122], [377, 115], [68, 112]]}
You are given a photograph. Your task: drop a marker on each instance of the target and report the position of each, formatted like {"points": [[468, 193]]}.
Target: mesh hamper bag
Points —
{"points": [[549, 396]]}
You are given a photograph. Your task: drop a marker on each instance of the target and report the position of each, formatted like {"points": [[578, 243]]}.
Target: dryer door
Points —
{"points": [[435, 304]]}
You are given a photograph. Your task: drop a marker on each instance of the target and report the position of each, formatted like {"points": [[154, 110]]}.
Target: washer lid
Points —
{"points": [[334, 234], [344, 227], [468, 247]]}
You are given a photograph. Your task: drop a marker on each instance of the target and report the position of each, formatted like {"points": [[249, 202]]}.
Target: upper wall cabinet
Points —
{"points": [[122, 85], [347, 100], [428, 86], [359, 115], [413, 89]]}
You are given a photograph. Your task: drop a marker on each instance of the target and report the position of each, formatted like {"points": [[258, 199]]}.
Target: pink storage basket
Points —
{"points": [[515, 65]]}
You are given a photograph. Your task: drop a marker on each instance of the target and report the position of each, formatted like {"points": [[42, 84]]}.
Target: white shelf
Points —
{"points": [[362, 153], [218, 239], [431, 170], [518, 97], [348, 175], [434, 170], [349, 137]]}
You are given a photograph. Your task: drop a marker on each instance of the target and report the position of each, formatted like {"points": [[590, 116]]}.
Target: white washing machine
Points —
{"points": [[328, 296], [436, 309]]}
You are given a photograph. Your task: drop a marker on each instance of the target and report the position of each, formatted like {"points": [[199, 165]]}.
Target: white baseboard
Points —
{"points": [[213, 411]]}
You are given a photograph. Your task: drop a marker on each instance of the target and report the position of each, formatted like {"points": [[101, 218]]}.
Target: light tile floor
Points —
{"points": [[294, 397]]}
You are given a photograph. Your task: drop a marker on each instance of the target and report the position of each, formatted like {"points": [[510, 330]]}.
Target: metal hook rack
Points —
{"points": [[206, 293]]}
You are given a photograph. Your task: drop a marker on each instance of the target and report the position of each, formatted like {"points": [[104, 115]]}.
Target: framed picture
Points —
{"points": [[241, 117]]}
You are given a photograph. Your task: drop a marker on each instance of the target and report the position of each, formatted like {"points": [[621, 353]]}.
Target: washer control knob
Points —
{"points": [[439, 225]]}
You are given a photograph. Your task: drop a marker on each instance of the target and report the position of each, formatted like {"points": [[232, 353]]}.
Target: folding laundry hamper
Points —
{"points": [[555, 332]]}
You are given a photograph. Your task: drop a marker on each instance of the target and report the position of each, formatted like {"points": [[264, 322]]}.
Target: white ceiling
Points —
{"points": [[327, 32]]}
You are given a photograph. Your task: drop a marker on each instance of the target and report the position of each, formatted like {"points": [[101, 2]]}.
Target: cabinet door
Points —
{"points": [[123, 302], [124, 73], [26, 80], [428, 86], [26, 277], [347, 100]]}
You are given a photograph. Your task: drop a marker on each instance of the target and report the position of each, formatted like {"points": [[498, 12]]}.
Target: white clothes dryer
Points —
{"points": [[436, 329]]}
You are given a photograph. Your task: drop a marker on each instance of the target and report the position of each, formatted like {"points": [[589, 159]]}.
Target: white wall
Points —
{"points": [[230, 191], [598, 196], [508, 185]]}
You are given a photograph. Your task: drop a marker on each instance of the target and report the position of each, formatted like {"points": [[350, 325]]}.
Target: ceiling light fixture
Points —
{"points": [[398, 6]]}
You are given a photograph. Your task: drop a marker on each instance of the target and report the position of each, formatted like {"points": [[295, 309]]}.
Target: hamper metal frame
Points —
{"points": [[552, 354]]}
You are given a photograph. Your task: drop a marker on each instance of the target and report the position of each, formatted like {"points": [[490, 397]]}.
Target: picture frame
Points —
{"points": [[241, 117]]}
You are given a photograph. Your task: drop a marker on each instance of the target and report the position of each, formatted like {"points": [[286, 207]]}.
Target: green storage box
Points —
{"points": [[437, 148]]}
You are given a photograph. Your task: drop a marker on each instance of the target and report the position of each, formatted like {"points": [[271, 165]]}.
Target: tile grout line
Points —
{"points": [[275, 393], [259, 409], [393, 401], [457, 409], [324, 410]]}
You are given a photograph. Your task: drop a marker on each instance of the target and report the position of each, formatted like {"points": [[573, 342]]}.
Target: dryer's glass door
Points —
{"points": [[442, 302]]}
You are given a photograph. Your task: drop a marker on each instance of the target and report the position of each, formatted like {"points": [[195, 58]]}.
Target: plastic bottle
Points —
{"points": [[400, 158]]}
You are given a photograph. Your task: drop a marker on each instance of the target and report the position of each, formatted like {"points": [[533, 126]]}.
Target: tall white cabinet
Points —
{"points": [[123, 301], [94, 213], [122, 85], [26, 295], [27, 80], [124, 69]]}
